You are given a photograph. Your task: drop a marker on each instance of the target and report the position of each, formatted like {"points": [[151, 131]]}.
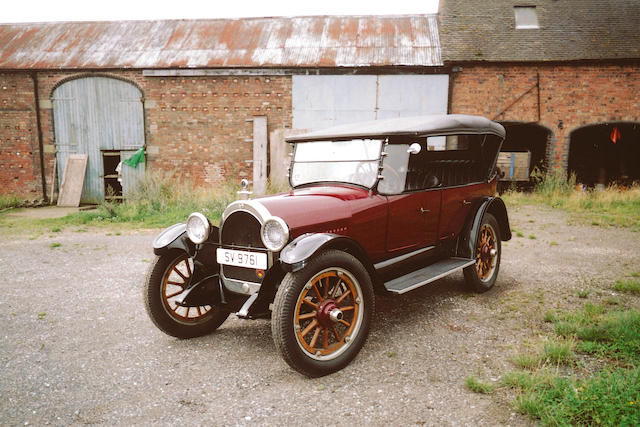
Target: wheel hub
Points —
{"points": [[485, 251], [329, 313]]}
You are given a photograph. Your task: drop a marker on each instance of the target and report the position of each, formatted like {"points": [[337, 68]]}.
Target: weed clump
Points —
{"points": [[628, 286], [10, 201], [478, 386]]}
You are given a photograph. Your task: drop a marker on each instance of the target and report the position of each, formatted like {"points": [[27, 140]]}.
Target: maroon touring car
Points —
{"points": [[379, 207]]}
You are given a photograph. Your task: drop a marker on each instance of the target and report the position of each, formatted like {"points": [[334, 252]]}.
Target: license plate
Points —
{"points": [[245, 259]]}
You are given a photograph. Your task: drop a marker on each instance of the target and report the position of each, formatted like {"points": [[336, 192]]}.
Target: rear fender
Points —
{"points": [[469, 236]]}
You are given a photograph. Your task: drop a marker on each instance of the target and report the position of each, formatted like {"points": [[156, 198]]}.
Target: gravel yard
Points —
{"points": [[76, 346]]}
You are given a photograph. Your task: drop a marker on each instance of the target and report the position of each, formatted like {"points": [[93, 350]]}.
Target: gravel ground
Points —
{"points": [[76, 346]]}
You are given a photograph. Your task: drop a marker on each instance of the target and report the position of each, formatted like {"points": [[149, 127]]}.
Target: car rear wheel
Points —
{"points": [[482, 275], [168, 276], [321, 314]]}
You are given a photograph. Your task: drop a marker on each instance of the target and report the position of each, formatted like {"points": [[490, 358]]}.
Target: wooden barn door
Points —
{"points": [[93, 115]]}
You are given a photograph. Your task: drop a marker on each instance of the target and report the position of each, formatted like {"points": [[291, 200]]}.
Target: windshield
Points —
{"points": [[355, 161]]}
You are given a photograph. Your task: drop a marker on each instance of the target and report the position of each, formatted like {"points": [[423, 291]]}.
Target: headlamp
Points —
{"points": [[198, 228], [275, 234]]}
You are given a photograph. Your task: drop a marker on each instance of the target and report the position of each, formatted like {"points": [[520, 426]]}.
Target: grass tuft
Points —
{"points": [[478, 386], [558, 353], [549, 317], [583, 293], [525, 380], [527, 361], [629, 286], [565, 329]]}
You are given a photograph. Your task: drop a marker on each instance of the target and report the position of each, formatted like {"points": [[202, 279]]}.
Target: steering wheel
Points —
{"points": [[360, 175]]}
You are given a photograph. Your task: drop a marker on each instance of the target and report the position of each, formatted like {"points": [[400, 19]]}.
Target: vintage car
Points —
{"points": [[381, 207]]}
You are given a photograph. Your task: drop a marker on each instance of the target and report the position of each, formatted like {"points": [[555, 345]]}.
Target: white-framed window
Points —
{"points": [[526, 17]]}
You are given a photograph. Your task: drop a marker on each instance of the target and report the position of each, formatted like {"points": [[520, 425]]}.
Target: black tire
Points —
{"points": [[167, 276], [311, 336], [483, 274]]}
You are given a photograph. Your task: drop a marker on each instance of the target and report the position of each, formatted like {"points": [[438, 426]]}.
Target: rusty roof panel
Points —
{"points": [[325, 41]]}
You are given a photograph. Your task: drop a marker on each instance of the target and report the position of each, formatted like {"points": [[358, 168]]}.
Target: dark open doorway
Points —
{"points": [[112, 186], [605, 153], [526, 137]]}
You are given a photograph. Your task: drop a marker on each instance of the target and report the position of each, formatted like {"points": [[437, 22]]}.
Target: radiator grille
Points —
{"points": [[241, 230]]}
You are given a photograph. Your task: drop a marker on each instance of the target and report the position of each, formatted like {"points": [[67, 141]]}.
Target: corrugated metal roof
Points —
{"points": [[327, 41]]}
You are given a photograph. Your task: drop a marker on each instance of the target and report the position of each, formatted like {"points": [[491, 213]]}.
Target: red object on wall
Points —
{"points": [[615, 135]]}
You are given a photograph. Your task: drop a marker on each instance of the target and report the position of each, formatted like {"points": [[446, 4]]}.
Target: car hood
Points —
{"points": [[317, 208]]}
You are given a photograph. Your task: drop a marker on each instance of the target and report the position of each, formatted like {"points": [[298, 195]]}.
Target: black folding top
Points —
{"points": [[435, 124]]}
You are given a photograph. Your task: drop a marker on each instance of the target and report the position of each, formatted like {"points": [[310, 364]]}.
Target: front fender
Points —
{"points": [[175, 237], [294, 256], [204, 285]]}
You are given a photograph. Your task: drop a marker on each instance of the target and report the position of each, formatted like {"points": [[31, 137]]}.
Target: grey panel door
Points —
{"points": [[92, 114], [323, 101]]}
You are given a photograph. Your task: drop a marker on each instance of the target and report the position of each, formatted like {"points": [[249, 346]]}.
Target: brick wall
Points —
{"points": [[19, 152], [571, 96], [199, 128], [196, 128]]}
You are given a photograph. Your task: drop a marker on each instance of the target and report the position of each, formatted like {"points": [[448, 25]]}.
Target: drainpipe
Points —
{"points": [[452, 75], [538, 84], [36, 102]]}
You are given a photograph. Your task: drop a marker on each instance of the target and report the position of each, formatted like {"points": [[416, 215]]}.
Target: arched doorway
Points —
{"points": [[605, 153], [522, 138], [101, 117]]}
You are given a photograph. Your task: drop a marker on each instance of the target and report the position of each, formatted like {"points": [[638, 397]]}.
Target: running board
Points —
{"points": [[427, 275]]}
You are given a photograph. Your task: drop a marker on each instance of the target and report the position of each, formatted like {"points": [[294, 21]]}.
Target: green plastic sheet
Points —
{"points": [[136, 159]]}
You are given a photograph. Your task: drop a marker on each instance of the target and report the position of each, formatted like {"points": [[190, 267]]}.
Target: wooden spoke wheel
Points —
{"points": [[168, 276], [328, 313], [175, 280], [322, 313], [482, 275], [486, 252]]}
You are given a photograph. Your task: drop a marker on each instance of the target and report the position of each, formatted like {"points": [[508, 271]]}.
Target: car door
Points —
{"points": [[405, 225], [413, 216]]}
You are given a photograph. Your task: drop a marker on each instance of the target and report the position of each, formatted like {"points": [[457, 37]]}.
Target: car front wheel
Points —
{"points": [[168, 276], [321, 314], [482, 275]]}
